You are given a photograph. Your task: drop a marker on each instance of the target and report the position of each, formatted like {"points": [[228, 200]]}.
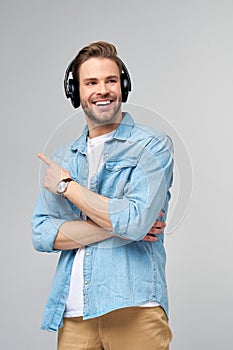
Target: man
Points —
{"points": [[102, 205]]}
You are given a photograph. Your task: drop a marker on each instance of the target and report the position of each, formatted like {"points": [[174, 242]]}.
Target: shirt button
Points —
{"points": [[106, 155], [87, 254], [118, 167], [86, 282]]}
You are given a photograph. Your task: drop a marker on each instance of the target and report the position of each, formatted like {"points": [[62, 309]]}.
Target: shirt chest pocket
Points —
{"points": [[117, 176]]}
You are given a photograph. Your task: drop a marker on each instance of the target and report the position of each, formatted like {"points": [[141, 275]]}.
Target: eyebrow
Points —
{"points": [[108, 77]]}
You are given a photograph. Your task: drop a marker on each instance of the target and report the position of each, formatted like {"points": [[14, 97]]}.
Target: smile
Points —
{"points": [[103, 103]]}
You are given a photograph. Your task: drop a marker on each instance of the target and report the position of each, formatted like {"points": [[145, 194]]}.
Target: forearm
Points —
{"points": [[92, 204], [77, 234]]}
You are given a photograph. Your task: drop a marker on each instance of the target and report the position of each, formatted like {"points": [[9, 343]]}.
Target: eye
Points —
{"points": [[112, 81], [91, 83]]}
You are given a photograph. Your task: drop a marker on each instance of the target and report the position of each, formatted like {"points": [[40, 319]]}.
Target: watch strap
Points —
{"points": [[68, 179]]}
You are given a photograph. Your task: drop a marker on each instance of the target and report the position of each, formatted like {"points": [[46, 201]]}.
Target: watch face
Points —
{"points": [[61, 187]]}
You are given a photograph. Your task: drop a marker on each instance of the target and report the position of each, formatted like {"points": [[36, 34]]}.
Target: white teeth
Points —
{"points": [[102, 103]]}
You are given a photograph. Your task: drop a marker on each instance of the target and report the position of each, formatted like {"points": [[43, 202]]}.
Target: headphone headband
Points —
{"points": [[72, 89]]}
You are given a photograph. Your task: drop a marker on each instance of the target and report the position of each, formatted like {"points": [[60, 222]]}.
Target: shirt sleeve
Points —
{"points": [[147, 192], [51, 211]]}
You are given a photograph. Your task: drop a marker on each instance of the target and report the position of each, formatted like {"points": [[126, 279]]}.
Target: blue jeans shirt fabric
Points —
{"points": [[122, 271]]}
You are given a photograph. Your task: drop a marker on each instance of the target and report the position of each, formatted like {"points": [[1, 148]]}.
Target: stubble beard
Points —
{"points": [[103, 117]]}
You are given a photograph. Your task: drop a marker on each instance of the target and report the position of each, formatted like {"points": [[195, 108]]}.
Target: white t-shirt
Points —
{"points": [[74, 304]]}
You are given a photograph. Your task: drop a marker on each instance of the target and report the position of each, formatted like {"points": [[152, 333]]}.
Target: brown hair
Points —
{"points": [[97, 49]]}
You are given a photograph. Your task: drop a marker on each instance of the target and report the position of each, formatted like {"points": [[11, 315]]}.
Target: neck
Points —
{"points": [[101, 130], [95, 130]]}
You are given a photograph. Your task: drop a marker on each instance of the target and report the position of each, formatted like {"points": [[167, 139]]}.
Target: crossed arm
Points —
{"points": [[75, 234]]}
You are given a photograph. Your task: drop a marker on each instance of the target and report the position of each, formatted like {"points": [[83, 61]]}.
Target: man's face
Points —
{"points": [[100, 91]]}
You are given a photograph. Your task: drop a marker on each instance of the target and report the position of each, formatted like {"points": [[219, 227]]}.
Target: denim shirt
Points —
{"points": [[122, 271]]}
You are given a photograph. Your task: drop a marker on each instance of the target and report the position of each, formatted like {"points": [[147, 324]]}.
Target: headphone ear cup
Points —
{"points": [[125, 83], [71, 87], [73, 92], [124, 87]]}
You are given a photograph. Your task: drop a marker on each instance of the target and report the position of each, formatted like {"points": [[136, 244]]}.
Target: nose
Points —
{"points": [[102, 88]]}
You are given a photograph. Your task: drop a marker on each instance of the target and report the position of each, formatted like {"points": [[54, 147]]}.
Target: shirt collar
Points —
{"points": [[125, 127], [81, 143]]}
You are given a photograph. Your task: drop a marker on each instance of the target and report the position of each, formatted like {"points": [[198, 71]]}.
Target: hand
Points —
{"points": [[156, 229], [54, 173]]}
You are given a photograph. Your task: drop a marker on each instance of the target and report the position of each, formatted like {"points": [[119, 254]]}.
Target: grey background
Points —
{"points": [[179, 54]]}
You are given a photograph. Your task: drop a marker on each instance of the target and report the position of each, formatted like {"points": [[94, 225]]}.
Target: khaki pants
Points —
{"points": [[133, 328]]}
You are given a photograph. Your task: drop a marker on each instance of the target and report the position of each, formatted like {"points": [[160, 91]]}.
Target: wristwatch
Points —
{"points": [[62, 185]]}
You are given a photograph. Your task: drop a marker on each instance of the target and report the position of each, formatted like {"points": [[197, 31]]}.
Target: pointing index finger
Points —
{"points": [[45, 159]]}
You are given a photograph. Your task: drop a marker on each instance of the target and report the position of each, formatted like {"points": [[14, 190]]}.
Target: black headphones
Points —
{"points": [[72, 89]]}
